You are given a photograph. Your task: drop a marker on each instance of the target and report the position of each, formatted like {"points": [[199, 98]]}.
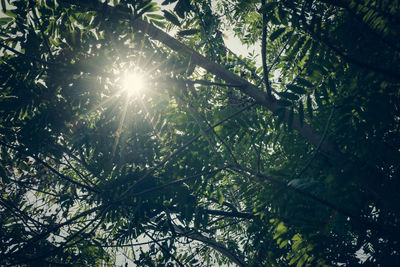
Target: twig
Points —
{"points": [[54, 171], [179, 150], [162, 247], [32, 59], [46, 42], [203, 82], [318, 147], [178, 181], [264, 51]]}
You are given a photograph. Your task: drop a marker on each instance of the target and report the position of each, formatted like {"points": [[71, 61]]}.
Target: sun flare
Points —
{"points": [[133, 82]]}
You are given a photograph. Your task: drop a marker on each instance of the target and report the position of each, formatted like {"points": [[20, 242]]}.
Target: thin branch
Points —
{"points": [[54, 171], [203, 82], [232, 214], [83, 177], [241, 61], [280, 52], [192, 112], [179, 181], [264, 51], [30, 58], [319, 145], [137, 244], [179, 150], [218, 137], [351, 59], [46, 41], [162, 247], [217, 246], [51, 229], [26, 185], [362, 221], [227, 204], [20, 214], [64, 244]]}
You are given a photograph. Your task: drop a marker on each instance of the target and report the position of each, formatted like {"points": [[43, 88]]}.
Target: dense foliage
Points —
{"points": [[220, 159]]}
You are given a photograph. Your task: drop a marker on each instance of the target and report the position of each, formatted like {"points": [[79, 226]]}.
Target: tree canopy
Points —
{"points": [[287, 156]]}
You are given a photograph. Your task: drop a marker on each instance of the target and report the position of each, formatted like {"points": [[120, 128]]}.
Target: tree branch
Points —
{"points": [[264, 51], [217, 246]]}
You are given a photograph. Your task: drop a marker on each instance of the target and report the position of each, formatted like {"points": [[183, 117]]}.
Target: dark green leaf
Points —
{"points": [[188, 32], [268, 7], [278, 32], [284, 102], [296, 89], [304, 82], [155, 16], [220, 196], [167, 2], [309, 106], [181, 7], [172, 18], [290, 119], [332, 86], [5, 20], [288, 95], [10, 13], [50, 3], [301, 113]]}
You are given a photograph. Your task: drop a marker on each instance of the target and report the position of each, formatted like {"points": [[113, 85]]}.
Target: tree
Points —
{"points": [[219, 161]]}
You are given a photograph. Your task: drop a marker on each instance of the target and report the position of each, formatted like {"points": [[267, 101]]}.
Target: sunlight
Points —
{"points": [[133, 82]]}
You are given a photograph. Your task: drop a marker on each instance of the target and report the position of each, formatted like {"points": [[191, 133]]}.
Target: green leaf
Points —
{"points": [[10, 13], [147, 8], [220, 196], [167, 2], [158, 23], [290, 119], [181, 7], [268, 7], [283, 243], [50, 3], [5, 20], [188, 32], [296, 89], [172, 18], [155, 16], [301, 113], [279, 230], [278, 32], [302, 260], [288, 95], [284, 102], [304, 82]]}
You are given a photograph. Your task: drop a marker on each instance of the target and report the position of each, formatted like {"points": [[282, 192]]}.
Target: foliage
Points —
{"points": [[294, 161]]}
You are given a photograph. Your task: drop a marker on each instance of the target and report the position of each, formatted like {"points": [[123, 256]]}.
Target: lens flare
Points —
{"points": [[133, 83]]}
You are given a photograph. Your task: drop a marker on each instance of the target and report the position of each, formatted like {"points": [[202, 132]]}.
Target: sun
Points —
{"points": [[133, 82]]}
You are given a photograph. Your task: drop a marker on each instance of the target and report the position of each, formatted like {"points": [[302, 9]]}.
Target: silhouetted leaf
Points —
{"points": [[296, 89], [188, 32], [278, 32], [170, 17]]}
